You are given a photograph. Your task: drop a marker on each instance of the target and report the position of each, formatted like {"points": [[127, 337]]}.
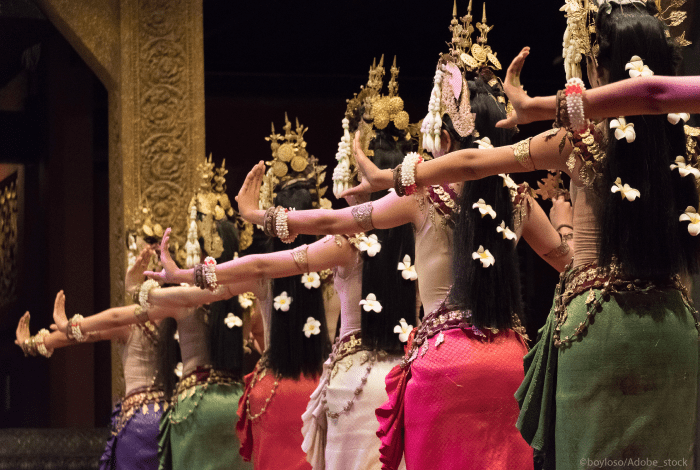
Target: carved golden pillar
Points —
{"points": [[149, 54]]}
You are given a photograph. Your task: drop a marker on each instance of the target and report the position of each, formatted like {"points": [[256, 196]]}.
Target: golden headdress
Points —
{"points": [[450, 93], [210, 204], [291, 163], [579, 37], [141, 226], [379, 111]]}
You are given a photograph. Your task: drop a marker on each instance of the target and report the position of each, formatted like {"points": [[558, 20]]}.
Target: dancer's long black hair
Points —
{"points": [[290, 353], [225, 344], [644, 235], [491, 294], [380, 275]]}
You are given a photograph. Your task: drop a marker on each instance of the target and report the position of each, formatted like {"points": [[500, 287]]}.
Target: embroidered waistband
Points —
{"points": [[609, 280], [137, 400], [204, 375]]}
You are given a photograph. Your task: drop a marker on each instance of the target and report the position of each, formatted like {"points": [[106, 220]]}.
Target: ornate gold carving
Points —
{"points": [[8, 240]]}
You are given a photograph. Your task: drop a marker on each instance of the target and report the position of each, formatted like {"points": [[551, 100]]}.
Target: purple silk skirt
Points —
{"points": [[135, 445]]}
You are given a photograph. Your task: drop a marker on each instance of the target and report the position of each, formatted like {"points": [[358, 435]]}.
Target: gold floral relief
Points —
{"points": [[8, 240]]}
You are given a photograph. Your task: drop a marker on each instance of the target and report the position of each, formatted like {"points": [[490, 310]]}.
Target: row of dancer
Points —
{"points": [[450, 399]]}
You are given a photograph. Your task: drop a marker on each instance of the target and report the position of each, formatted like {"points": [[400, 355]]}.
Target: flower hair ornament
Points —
{"points": [[379, 111], [312, 327]]}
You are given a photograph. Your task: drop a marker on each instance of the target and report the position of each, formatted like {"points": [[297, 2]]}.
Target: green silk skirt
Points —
{"points": [[622, 394], [203, 435]]}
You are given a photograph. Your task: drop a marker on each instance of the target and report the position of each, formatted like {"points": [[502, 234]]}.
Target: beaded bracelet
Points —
{"points": [[210, 273], [135, 293], [561, 226], [199, 276], [268, 221], [398, 187], [561, 117], [74, 332], [282, 225], [574, 104], [408, 172], [29, 347], [40, 345], [146, 288]]}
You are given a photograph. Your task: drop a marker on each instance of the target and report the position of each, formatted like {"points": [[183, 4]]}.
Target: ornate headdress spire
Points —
{"points": [[291, 163], [379, 111]]}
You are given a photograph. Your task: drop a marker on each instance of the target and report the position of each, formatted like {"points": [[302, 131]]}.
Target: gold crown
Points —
{"points": [[473, 55], [291, 163], [379, 111], [210, 204]]}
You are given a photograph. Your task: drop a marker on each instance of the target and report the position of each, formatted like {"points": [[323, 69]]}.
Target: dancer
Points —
{"points": [[339, 420], [469, 363], [135, 419], [624, 291], [197, 429]]}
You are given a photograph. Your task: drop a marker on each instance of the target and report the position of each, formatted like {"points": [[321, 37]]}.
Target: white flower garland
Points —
{"points": [[145, 289], [432, 123], [408, 171], [341, 173]]}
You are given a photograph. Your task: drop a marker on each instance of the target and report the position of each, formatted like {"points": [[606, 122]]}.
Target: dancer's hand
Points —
{"points": [[516, 93], [561, 212], [22, 332], [249, 195], [60, 319], [373, 179], [170, 269], [134, 276]]}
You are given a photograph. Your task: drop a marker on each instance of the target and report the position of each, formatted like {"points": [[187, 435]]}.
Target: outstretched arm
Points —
{"points": [[57, 339], [111, 318], [243, 274], [387, 212], [630, 97]]}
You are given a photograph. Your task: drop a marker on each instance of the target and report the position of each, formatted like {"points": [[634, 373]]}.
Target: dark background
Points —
{"points": [[262, 59]]}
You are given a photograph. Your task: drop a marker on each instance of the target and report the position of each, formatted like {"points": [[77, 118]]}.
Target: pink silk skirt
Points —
{"points": [[454, 408]]}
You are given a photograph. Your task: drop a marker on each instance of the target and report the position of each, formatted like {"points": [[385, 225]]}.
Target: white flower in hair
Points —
{"points": [[408, 271], [692, 216], [484, 256], [484, 143], [484, 208], [403, 329], [245, 301], [312, 327], [311, 280], [685, 169], [623, 130], [371, 303], [370, 244], [625, 190], [282, 302], [508, 181], [176, 336], [507, 233], [178, 369], [232, 320], [675, 118], [637, 68]]}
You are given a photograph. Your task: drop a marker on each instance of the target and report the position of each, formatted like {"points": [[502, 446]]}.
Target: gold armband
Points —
{"points": [[521, 150], [363, 215], [301, 257]]}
